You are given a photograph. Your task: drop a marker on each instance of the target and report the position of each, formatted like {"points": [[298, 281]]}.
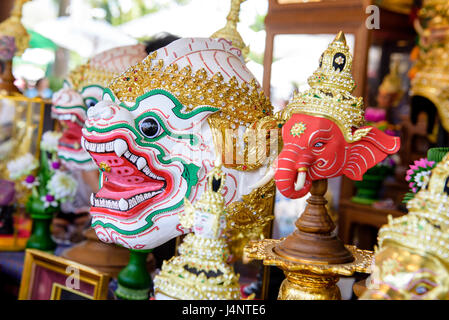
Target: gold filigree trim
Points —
{"points": [[250, 218], [263, 250], [86, 75]]}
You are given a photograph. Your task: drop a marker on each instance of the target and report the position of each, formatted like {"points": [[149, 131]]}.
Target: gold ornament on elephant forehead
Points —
{"points": [[330, 91], [298, 129]]}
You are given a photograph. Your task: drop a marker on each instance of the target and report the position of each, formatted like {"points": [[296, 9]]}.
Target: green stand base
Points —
{"points": [[134, 282], [40, 238], [368, 189], [131, 294]]}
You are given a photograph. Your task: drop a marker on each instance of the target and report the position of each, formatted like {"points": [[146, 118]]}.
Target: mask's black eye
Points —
{"points": [[150, 127], [318, 145], [90, 102]]}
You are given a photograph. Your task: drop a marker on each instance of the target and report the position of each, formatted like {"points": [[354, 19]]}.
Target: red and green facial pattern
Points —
{"points": [[314, 148], [70, 110], [150, 154]]}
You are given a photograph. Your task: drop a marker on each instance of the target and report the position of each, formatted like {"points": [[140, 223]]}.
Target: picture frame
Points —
{"points": [[48, 277]]}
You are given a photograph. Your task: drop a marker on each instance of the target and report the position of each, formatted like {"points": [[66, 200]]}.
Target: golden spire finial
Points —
{"points": [[330, 91], [229, 31], [13, 27], [340, 37]]}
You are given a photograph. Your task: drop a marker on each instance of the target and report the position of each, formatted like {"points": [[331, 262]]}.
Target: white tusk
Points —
{"points": [[300, 180], [267, 178]]}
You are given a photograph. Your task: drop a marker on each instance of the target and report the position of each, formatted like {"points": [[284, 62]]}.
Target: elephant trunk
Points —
{"points": [[292, 178]]}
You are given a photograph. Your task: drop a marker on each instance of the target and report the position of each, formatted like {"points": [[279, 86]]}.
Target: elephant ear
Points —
{"points": [[368, 151]]}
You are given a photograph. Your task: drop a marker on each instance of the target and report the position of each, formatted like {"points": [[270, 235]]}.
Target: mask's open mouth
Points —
{"points": [[71, 133], [130, 184]]}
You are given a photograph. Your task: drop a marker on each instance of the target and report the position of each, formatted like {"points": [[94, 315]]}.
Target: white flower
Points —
{"points": [[30, 181], [49, 141], [62, 185], [422, 178], [49, 200], [22, 166]]}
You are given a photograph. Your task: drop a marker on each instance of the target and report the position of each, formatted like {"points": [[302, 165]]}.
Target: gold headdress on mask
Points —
{"points": [[330, 93], [85, 75], [431, 80], [392, 82], [240, 104], [426, 226], [200, 271], [13, 27]]}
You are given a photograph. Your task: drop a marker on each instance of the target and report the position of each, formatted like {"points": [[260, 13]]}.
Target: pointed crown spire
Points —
{"points": [[229, 31], [330, 91]]}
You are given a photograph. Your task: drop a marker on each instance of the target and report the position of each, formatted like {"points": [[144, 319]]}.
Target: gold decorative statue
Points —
{"points": [[412, 260], [431, 72], [390, 90], [229, 31], [201, 271], [13, 27]]}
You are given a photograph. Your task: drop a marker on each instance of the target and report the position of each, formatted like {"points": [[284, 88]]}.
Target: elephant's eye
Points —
{"points": [[150, 127], [318, 145], [90, 102]]}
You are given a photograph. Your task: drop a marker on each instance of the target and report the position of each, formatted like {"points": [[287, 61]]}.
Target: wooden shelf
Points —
{"points": [[351, 213]]}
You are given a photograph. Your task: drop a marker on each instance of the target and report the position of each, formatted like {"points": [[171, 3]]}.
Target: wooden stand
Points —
{"points": [[315, 241], [313, 257], [105, 257], [7, 79]]}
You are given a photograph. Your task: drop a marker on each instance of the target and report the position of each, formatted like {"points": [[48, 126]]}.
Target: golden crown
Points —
{"points": [[85, 75], [392, 82], [330, 93], [435, 13], [211, 201], [432, 68], [242, 104], [229, 31], [201, 272], [426, 226]]}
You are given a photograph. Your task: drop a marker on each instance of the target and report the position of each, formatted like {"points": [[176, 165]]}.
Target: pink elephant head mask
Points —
{"points": [[315, 148], [324, 134]]}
